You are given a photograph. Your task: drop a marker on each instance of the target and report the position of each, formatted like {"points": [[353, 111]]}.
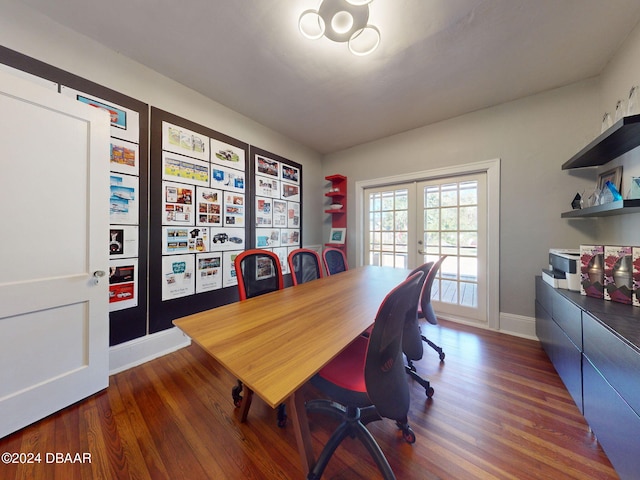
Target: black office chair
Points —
{"points": [[335, 261], [366, 381], [412, 337], [258, 272], [426, 311], [426, 308], [305, 265]]}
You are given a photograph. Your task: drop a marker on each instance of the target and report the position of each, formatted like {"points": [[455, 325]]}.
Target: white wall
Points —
{"points": [[32, 34]]}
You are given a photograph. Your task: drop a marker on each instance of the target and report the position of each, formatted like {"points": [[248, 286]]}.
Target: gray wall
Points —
{"points": [[533, 137]]}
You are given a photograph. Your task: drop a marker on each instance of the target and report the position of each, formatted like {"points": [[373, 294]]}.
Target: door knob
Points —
{"points": [[97, 275]]}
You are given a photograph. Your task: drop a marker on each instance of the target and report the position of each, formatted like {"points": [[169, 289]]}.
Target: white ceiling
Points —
{"points": [[437, 58]]}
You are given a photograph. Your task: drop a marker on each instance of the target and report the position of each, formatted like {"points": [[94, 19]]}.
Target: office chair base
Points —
{"points": [[411, 371], [352, 426], [435, 347]]}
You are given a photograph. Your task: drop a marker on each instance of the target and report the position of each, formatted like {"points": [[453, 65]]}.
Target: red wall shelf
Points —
{"points": [[338, 194]]}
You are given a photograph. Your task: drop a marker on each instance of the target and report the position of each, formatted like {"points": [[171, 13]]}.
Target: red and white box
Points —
{"points": [[592, 270], [618, 274]]}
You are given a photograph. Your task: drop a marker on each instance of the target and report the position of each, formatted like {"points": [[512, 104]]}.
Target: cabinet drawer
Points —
{"points": [[569, 317], [615, 424], [544, 330], [567, 360], [545, 294], [614, 359]]}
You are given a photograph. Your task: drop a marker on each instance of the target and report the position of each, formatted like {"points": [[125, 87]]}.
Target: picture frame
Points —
{"points": [[338, 235], [614, 176]]}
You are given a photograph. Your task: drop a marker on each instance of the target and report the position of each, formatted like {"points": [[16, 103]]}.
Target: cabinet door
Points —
{"points": [[615, 424], [567, 360], [617, 361], [569, 317], [544, 329]]}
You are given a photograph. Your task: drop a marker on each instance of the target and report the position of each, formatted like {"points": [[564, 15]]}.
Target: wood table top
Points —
{"points": [[274, 343]]}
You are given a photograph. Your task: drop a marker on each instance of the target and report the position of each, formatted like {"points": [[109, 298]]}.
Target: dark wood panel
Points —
{"points": [[499, 411]]}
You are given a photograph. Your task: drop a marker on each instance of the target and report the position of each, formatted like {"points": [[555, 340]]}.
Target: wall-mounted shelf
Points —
{"points": [[617, 140], [619, 207], [338, 194]]}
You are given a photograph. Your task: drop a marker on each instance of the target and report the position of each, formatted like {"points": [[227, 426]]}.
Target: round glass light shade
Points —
{"points": [[311, 24], [342, 22], [364, 41], [358, 3]]}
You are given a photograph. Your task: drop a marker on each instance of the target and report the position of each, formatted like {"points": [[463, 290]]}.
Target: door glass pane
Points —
{"points": [[388, 228], [451, 228]]}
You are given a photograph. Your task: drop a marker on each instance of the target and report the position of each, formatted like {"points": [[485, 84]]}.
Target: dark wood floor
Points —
{"points": [[499, 412]]}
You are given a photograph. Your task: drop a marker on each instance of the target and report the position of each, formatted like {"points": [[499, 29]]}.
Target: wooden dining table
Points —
{"points": [[275, 343]]}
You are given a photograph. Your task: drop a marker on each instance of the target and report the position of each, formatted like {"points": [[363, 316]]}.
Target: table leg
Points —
{"points": [[298, 414], [246, 403]]}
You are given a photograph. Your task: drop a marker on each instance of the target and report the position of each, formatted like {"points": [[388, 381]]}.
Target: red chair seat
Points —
{"points": [[347, 369]]}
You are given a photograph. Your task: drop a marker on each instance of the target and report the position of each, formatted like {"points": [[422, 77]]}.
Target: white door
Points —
{"points": [[54, 192], [452, 221], [413, 223]]}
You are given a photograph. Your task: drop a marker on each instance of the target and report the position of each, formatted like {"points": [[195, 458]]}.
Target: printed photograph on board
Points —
{"points": [[177, 199], [123, 199], [224, 154], [209, 207]]}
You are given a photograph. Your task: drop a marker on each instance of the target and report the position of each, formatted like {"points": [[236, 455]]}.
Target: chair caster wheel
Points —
{"points": [[441, 357], [282, 416], [282, 422], [407, 433], [429, 392], [235, 394]]}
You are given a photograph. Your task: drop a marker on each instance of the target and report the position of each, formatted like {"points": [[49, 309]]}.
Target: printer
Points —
{"points": [[564, 269]]}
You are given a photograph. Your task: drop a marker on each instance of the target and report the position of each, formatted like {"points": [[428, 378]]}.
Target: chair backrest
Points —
{"points": [[335, 261], [258, 272], [305, 265], [384, 371], [412, 336], [425, 298]]}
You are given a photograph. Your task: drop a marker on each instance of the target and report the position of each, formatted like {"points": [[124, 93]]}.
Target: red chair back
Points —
{"points": [[305, 265], [258, 272], [335, 261]]}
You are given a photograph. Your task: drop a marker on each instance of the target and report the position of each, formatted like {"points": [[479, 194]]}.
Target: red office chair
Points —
{"points": [[366, 381], [305, 265], [258, 272], [335, 261]]}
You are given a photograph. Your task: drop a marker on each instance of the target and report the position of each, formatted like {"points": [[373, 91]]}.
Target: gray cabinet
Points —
{"points": [[595, 347]]}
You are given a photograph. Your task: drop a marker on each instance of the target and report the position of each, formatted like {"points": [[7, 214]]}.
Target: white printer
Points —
{"points": [[564, 269]]}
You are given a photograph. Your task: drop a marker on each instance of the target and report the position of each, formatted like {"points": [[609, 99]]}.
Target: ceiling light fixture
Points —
{"points": [[342, 21]]}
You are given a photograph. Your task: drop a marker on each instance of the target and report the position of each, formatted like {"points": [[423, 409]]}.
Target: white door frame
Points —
{"points": [[492, 170]]}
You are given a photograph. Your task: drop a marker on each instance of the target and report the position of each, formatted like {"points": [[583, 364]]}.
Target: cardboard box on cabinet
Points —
{"points": [[592, 270], [635, 258], [618, 271]]}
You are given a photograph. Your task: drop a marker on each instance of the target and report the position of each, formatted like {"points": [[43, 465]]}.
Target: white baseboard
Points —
{"points": [[518, 325], [510, 324], [140, 350]]}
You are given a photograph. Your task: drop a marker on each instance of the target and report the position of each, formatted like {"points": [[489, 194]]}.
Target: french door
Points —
{"points": [[413, 223]]}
